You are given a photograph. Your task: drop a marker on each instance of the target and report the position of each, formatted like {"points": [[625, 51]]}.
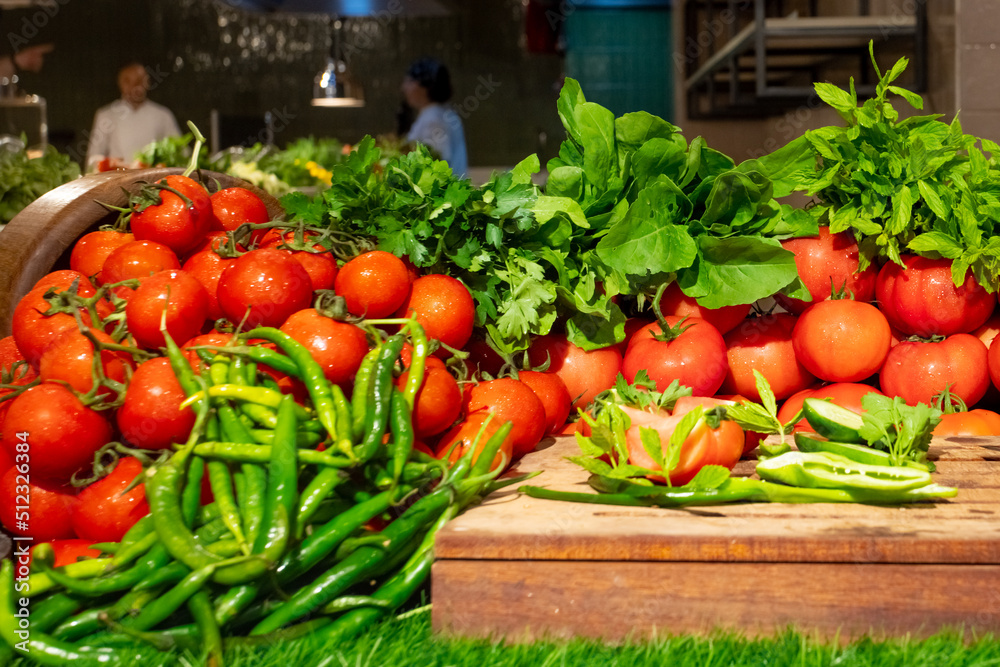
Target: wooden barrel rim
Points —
{"points": [[45, 229]]}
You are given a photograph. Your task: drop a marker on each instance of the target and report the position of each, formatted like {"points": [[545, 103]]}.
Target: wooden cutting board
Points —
{"points": [[526, 568]]}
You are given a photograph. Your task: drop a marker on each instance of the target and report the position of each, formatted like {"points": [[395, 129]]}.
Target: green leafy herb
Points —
{"points": [[914, 185], [903, 430], [24, 179]]}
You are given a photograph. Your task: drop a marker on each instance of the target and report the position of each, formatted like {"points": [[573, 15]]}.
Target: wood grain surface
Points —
{"points": [[536, 566], [40, 237]]}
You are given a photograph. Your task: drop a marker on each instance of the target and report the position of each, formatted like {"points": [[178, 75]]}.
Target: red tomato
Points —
{"points": [[918, 371], [269, 283], [70, 550], [137, 259], [338, 347], [70, 359], [921, 298], [971, 423], [443, 307], [206, 266], [704, 446], [825, 261], [461, 437], [33, 507], [63, 434], [151, 417], [510, 400], [33, 332], [178, 224], [586, 373], [232, 207], [438, 403], [696, 358], [842, 340], [92, 250], [551, 390], [174, 292], [374, 284], [764, 344], [320, 265], [63, 280], [686, 404], [845, 394], [992, 362], [102, 512], [725, 319]]}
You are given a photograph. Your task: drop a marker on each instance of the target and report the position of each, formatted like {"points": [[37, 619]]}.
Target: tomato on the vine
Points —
{"points": [[232, 207], [374, 284], [321, 265], [443, 307], [180, 219], [102, 513], [173, 298], [70, 359], [63, 434], [268, 283], [551, 390], [151, 417], [438, 403], [92, 250], [338, 347], [137, 260], [34, 507]]}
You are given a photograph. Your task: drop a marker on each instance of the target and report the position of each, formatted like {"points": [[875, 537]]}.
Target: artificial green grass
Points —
{"points": [[408, 642]]}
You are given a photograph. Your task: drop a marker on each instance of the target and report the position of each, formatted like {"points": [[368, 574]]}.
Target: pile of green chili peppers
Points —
{"points": [[287, 547]]}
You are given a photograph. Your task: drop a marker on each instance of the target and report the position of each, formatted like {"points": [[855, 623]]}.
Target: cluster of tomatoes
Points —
{"points": [[85, 365], [901, 330]]}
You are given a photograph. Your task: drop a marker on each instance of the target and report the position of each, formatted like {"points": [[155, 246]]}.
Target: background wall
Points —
{"points": [[206, 55]]}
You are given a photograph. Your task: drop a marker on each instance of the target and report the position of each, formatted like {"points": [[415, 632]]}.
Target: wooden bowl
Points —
{"points": [[40, 238]]}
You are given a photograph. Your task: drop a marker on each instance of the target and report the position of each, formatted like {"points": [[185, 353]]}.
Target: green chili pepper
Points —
{"points": [[165, 605], [418, 358], [282, 489], [234, 602], [325, 538], [823, 470], [379, 396], [232, 451], [266, 356], [110, 583], [52, 611], [401, 424], [163, 494], [264, 436], [359, 399], [269, 398], [318, 489], [41, 647], [311, 373], [200, 606], [360, 563]]}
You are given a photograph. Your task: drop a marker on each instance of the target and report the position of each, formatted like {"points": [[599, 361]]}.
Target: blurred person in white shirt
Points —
{"points": [[127, 125]]}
